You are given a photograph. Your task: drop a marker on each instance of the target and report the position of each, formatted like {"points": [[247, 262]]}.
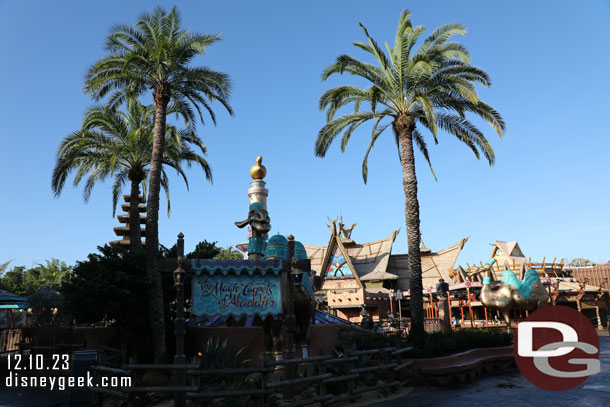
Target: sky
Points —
{"points": [[549, 188]]}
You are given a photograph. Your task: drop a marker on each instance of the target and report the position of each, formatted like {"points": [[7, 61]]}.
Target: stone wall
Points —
{"points": [[88, 337]]}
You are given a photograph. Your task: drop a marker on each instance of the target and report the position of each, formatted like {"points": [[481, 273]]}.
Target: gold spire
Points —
{"points": [[258, 170]]}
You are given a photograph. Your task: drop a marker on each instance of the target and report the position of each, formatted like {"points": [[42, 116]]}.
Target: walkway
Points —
{"points": [[21, 397], [512, 389]]}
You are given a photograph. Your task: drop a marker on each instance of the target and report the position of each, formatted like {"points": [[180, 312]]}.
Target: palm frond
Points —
{"points": [[120, 143], [423, 148], [332, 129], [117, 188], [165, 186], [376, 133], [434, 87]]}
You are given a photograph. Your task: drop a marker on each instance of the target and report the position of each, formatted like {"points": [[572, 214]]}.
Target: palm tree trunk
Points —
{"points": [[155, 297], [134, 216], [404, 128]]}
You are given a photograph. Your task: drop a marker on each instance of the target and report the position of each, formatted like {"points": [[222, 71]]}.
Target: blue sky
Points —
{"points": [[549, 65]]}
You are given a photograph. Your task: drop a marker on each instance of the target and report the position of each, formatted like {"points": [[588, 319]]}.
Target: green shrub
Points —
{"points": [[111, 288], [108, 287], [25, 282], [441, 343], [376, 341], [47, 306]]}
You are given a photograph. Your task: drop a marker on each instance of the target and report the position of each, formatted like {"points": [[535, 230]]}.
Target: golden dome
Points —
{"points": [[258, 170]]}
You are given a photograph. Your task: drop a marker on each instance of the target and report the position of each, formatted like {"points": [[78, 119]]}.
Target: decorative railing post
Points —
{"points": [[322, 389], [179, 324], [290, 321], [347, 371]]}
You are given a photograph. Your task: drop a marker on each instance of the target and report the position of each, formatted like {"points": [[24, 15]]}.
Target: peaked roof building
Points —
{"points": [[434, 265], [507, 251], [344, 259], [361, 275]]}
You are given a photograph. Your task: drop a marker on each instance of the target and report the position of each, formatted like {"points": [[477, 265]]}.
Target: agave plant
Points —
{"points": [[218, 355]]}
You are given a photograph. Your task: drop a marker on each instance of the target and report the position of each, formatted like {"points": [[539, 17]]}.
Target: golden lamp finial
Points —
{"points": [[258, 170]]}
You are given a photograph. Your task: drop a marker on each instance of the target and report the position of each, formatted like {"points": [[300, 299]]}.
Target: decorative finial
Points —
{"points": [[258, 170]]}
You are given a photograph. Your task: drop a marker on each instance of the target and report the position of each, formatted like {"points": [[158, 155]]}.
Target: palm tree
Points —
{"points": [[53, 274], [154, 56], [4, 266], [117, 144], [229, 254], [432, 87]]}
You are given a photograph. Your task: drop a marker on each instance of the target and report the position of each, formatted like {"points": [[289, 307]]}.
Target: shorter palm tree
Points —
{"points": [[113, 143]]}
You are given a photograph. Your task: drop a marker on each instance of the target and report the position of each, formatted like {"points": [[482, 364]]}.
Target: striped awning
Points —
{"points": [[14, 306], [236, 266]]}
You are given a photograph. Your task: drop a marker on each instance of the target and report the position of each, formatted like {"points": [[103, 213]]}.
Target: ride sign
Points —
{"points": [[232, 295]]}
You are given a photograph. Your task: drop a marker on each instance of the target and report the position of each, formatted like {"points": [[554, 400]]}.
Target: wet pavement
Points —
{"points": [[512, 389], [24, 397], [13, 395]]}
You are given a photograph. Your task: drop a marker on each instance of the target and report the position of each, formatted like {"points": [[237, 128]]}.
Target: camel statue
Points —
{"points": [[526, 295]]}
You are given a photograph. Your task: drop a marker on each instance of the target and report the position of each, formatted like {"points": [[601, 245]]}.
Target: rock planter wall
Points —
{"points": [[459, 367]]}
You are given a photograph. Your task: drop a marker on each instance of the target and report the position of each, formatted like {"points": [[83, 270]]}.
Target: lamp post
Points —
{"points": [[468, 283], [366, 321], [546, 283], [444, 306], [179, 323], [399, 297]]}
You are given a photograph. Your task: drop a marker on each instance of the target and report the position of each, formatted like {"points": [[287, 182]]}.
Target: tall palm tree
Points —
{"points": [[432, 86], [154, 56], [113, 143]]}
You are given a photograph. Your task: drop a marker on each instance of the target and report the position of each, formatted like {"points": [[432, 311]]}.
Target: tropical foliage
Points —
{"points": [[26, 281], [4, 266], [229, 254], [154, 56], [203, 250], [41, 284], [111, 273], [47, 306], [430, 86], [581, 262]]}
